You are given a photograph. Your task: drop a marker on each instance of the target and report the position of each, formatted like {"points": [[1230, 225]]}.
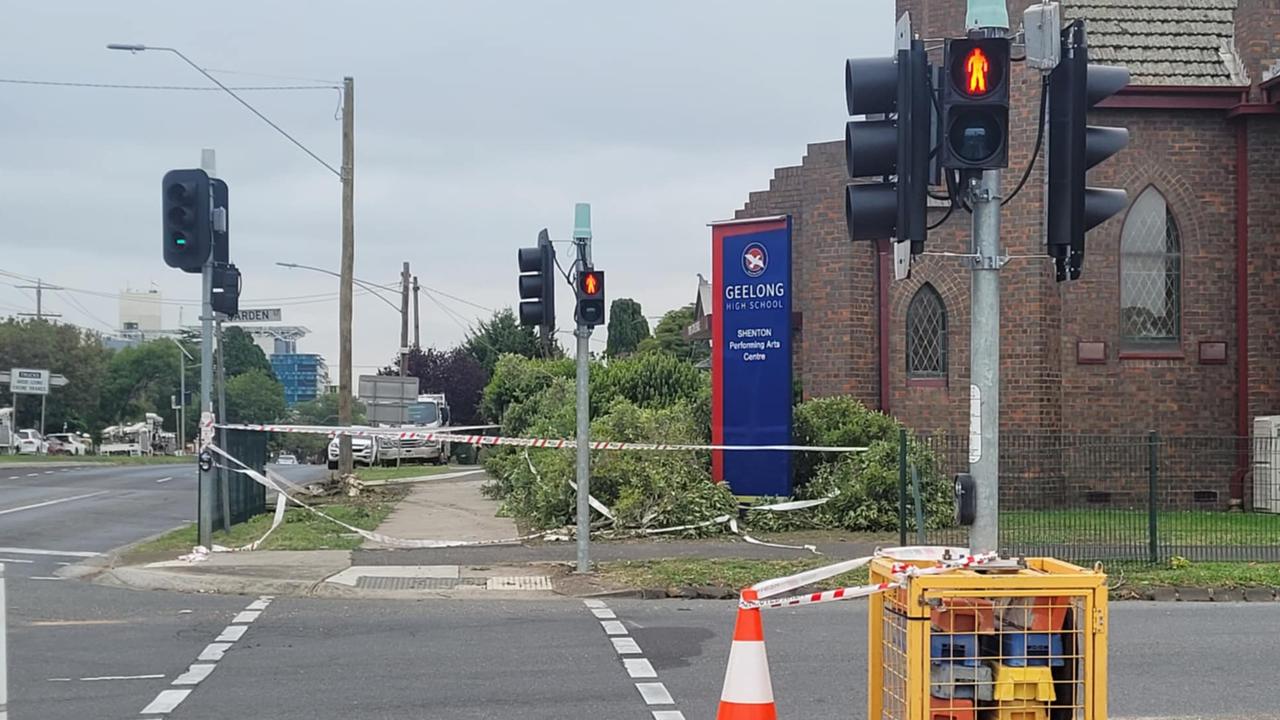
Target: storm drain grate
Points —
{"points": [[368, 582]]}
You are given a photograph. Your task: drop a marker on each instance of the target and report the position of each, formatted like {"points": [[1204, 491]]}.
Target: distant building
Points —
{"points": [[141, 311], [305, 376]]}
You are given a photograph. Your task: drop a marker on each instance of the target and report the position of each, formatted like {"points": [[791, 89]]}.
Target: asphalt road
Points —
{"points": [[78, 650]]}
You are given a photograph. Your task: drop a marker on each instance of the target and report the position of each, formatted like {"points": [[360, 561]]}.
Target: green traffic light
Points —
{"points": [[181, 241]]}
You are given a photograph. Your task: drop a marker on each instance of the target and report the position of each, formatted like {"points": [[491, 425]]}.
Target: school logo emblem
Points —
{"points": [[755, 260]]}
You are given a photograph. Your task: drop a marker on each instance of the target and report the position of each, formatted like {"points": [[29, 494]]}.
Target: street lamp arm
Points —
{"points": [[372, 288], [229, 91]]}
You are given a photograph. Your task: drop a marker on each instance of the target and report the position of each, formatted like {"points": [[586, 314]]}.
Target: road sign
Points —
{"points": [[256, 315], [26, 381]]}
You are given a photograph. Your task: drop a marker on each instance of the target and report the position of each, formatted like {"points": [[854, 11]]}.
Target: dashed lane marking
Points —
{"points": [[164, 479], [47, 503], [637, 668], [205, 664], [121, 677], [15, 560], [166, 701], [39, 551], [247, 616], [655, 693]]}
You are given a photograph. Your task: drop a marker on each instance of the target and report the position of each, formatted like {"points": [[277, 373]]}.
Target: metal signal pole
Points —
{"points": [[582, 240]]}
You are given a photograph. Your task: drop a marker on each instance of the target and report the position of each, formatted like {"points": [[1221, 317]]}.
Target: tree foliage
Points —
{"points": [[64, 349], [668, 336], [324, 411], [457, 374], [499, 335], [627, 327], [254, 397], [241, 354]]}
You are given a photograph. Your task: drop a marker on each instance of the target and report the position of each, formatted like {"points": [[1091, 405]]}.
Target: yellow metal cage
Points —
{"points": [[1024, 642]]}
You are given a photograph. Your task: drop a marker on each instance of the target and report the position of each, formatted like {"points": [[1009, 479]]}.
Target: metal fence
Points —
{"points": [[1121, 497], [239, 497]]}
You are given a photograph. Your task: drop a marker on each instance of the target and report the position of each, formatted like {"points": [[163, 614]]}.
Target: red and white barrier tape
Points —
{"points": [[551, 443], [776, 586]]}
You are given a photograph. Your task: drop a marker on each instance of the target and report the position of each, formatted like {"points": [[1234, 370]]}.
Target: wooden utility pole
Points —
{"points": [[39, 287], [347, 270], [417, 325], [404, 319]]}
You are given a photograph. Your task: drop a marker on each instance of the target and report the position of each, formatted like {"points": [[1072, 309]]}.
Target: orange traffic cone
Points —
{"points": [[748, 692]]}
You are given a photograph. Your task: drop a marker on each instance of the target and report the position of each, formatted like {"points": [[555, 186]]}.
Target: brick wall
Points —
{"points": [[834, 278], [1257, 37], [1264, 266]]}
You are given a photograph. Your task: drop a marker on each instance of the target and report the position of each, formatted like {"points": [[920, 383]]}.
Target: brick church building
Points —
{"points": [[1174, 325]]}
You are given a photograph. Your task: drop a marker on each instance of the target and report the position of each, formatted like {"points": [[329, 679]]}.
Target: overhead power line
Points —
{"points": [[181, 88]]}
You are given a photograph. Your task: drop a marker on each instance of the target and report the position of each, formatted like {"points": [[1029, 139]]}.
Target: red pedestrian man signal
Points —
{"points": [[590, 310], [590, 283], [976, 68]]}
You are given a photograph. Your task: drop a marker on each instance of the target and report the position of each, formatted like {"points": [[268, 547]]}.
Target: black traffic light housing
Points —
{"points": [[186, 219], [1074, 147], [538, 284], [893, 146], [590, 291], [225, 294], [221, 238], [975, 104]]}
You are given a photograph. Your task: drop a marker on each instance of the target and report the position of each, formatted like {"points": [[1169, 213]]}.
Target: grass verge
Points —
{"points": [[301, 529], [1128, 581], [1199, 575], [368, 474], [734, 573]]}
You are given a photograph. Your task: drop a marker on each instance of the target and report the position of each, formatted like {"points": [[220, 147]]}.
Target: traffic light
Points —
{"points": [[538, 284], [225, 297], [1074, 147], [893, 146], [590, 286], [186, 219], [221, 238], [975, 104]]}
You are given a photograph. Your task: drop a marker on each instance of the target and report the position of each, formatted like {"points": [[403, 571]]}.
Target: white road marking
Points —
{"points": [[655, 693], [37, 551], [625, 646], [639, 668], [258, 605], [43, 577], [213, 651], [47, 503], [59, 679], [231, 633], [164, 479], [166, 701], [246, 616], [16, 560], [48, 472], [195, 674], [33, 474], [121, 677]]}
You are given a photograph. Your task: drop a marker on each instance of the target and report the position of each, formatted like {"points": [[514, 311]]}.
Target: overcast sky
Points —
{"points": [[477, 124]]}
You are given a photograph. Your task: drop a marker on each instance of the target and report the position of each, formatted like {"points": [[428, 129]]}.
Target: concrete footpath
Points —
{"points": [[448, 507]]}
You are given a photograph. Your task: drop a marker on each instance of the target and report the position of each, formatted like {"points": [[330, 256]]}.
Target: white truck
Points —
{"points": [[144, 438], [429, 412], [7, 438]]}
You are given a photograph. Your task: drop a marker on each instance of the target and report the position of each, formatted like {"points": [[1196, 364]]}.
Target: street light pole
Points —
{"points": [[348, 270], [182, 397]]}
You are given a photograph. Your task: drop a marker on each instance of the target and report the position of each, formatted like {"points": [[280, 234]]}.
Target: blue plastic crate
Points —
{"points": [[959, 648], [1032, 650]]}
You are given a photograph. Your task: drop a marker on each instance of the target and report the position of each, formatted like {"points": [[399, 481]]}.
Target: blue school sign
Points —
{"points": [[751, 353]]}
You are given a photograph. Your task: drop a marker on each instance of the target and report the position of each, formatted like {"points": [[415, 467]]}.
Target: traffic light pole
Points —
{"points": [[207, 494], [583, 333], [984, 361]]}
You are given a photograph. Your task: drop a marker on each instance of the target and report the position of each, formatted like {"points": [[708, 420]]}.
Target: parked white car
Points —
{"points": [[30, 442], [71, 443], [286, 460]]}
